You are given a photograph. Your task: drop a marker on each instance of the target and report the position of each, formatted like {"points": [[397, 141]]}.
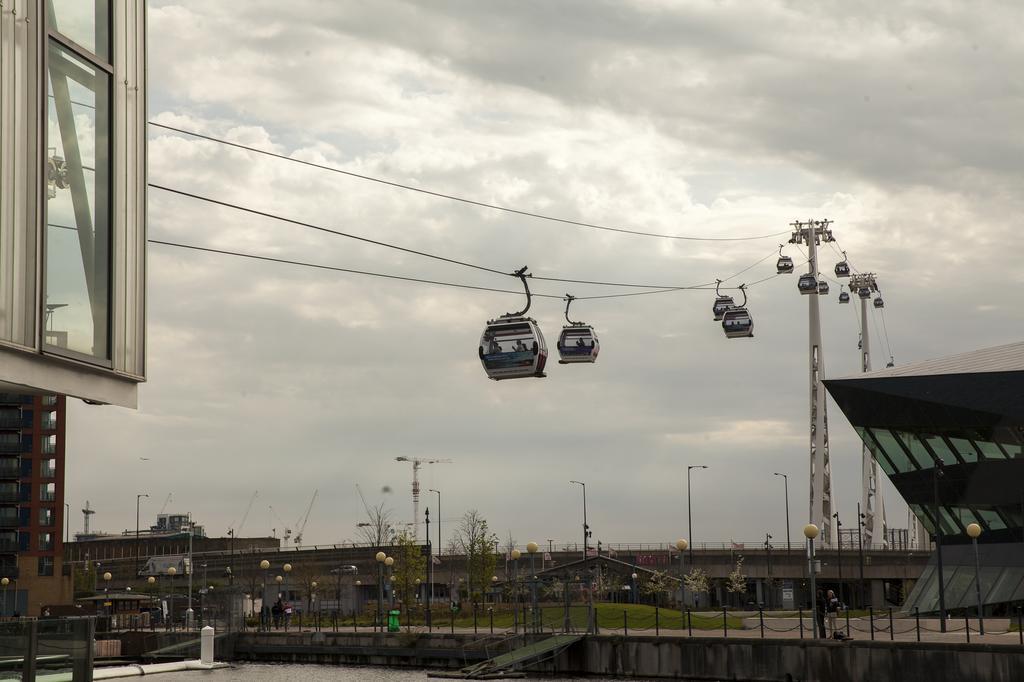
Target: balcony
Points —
{"points": [[8, 547], [10, 496], [48, 424], [15, 399], [12, 421], [8, 571], [12, 447], [48, 447], [48, 471], [49, 400], [10, 521], [10, 468]]}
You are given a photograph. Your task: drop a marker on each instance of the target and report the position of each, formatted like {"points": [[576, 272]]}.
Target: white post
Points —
{"points": [[871, 497], [206, 646]]}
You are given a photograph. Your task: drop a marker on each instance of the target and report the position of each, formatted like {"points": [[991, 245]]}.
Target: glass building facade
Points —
{"points": [[949, 434]]}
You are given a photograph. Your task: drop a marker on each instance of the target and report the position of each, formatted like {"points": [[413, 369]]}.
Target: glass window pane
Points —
{"points": [[990, 450], [992, 519], [941, 450], [965, 449], [917, 449], [78, 230], [950, 523], [1004, 586], [876, 452], [924, 516], [87, 22], [893, 450]]}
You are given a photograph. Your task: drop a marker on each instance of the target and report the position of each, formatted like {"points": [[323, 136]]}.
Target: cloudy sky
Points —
{"points": [[711, 119]]}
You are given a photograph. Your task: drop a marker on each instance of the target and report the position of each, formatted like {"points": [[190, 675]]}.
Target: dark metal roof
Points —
{"points": [[1007, 358]]}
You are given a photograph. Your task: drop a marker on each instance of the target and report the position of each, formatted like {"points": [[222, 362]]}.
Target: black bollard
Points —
{"points": [[917, 622]]}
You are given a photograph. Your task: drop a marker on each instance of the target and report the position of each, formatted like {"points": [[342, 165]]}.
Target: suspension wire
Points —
{"points": [[328, 230], [292, 221], [457, 285], [333, 268], [464, 200], [885, 330]]}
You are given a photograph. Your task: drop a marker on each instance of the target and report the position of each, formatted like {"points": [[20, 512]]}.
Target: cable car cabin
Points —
{"points": [[784, 265], [577, 343], [879, 303], [842, 269], [844, 297], [513, 348], [807, 284], [864, 292], [722, 303], [737, 323], [823, 288]]}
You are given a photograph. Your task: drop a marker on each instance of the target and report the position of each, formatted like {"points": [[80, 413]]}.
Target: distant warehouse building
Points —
{"points": [[949, 434]]}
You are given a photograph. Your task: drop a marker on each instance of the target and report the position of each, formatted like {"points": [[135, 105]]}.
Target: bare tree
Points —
{"points": [[474, 540], [378, 531]]}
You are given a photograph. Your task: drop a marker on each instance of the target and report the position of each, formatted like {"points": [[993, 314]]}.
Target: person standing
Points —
{"points": [[833, 613]]}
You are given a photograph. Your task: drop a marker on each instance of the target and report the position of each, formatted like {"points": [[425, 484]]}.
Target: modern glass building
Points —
{"points": [[949, 434], [73, 198]]}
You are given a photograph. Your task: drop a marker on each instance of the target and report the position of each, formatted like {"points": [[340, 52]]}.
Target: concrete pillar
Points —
{"points": [[206, 646]]}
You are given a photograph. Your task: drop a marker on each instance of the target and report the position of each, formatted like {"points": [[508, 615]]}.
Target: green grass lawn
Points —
{"points": [[638, 617]]}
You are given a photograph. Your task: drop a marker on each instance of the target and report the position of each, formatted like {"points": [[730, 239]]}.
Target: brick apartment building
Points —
{"points": [[32, 436]]}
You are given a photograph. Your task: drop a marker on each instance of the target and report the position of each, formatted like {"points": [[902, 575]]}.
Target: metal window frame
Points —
{"points": [[90, 57]]}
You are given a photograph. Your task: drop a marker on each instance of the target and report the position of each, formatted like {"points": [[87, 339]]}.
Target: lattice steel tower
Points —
{"points": [[872, 504], [812, 233]]}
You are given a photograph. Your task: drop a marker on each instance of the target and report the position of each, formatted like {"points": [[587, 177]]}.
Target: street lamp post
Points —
{"points": [[5, 581], [189, 613], [279, 579], [586, 537], [380, 557], [287, 569], [681, 546], [785, 481], [974, 530], [138, 499], [263, 597], [860, 551], [515, 554], [811, 532], [531, 549], [440, 547], [390, 563], [839, 560], [938, 473], [171, 570], [768, 583], [430, 569], [689, 507], [632, 587], [106, 593]]}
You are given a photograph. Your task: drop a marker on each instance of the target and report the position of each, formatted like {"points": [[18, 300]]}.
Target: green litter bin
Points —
{"points": [[393, 624]]}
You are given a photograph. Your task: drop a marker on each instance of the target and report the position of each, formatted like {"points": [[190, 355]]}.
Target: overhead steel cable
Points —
{"points": [[311, 226], [425, 254], [464, 200], [457, 285]]}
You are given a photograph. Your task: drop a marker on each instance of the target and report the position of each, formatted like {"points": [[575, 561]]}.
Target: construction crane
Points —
{"points": [[87, 512], [416, 463], [236, 531], [167, 501], [287, 531], [300, 525]]}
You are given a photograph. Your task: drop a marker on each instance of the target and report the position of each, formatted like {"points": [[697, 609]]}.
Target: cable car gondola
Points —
{"points": [[823, 288], [512, 346], [843, 296], [842, 267], [578, 341], [784, 265], [737, 322], [879, 303], [891, 363], [807, 284], [864, 292], [722, 303]]}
